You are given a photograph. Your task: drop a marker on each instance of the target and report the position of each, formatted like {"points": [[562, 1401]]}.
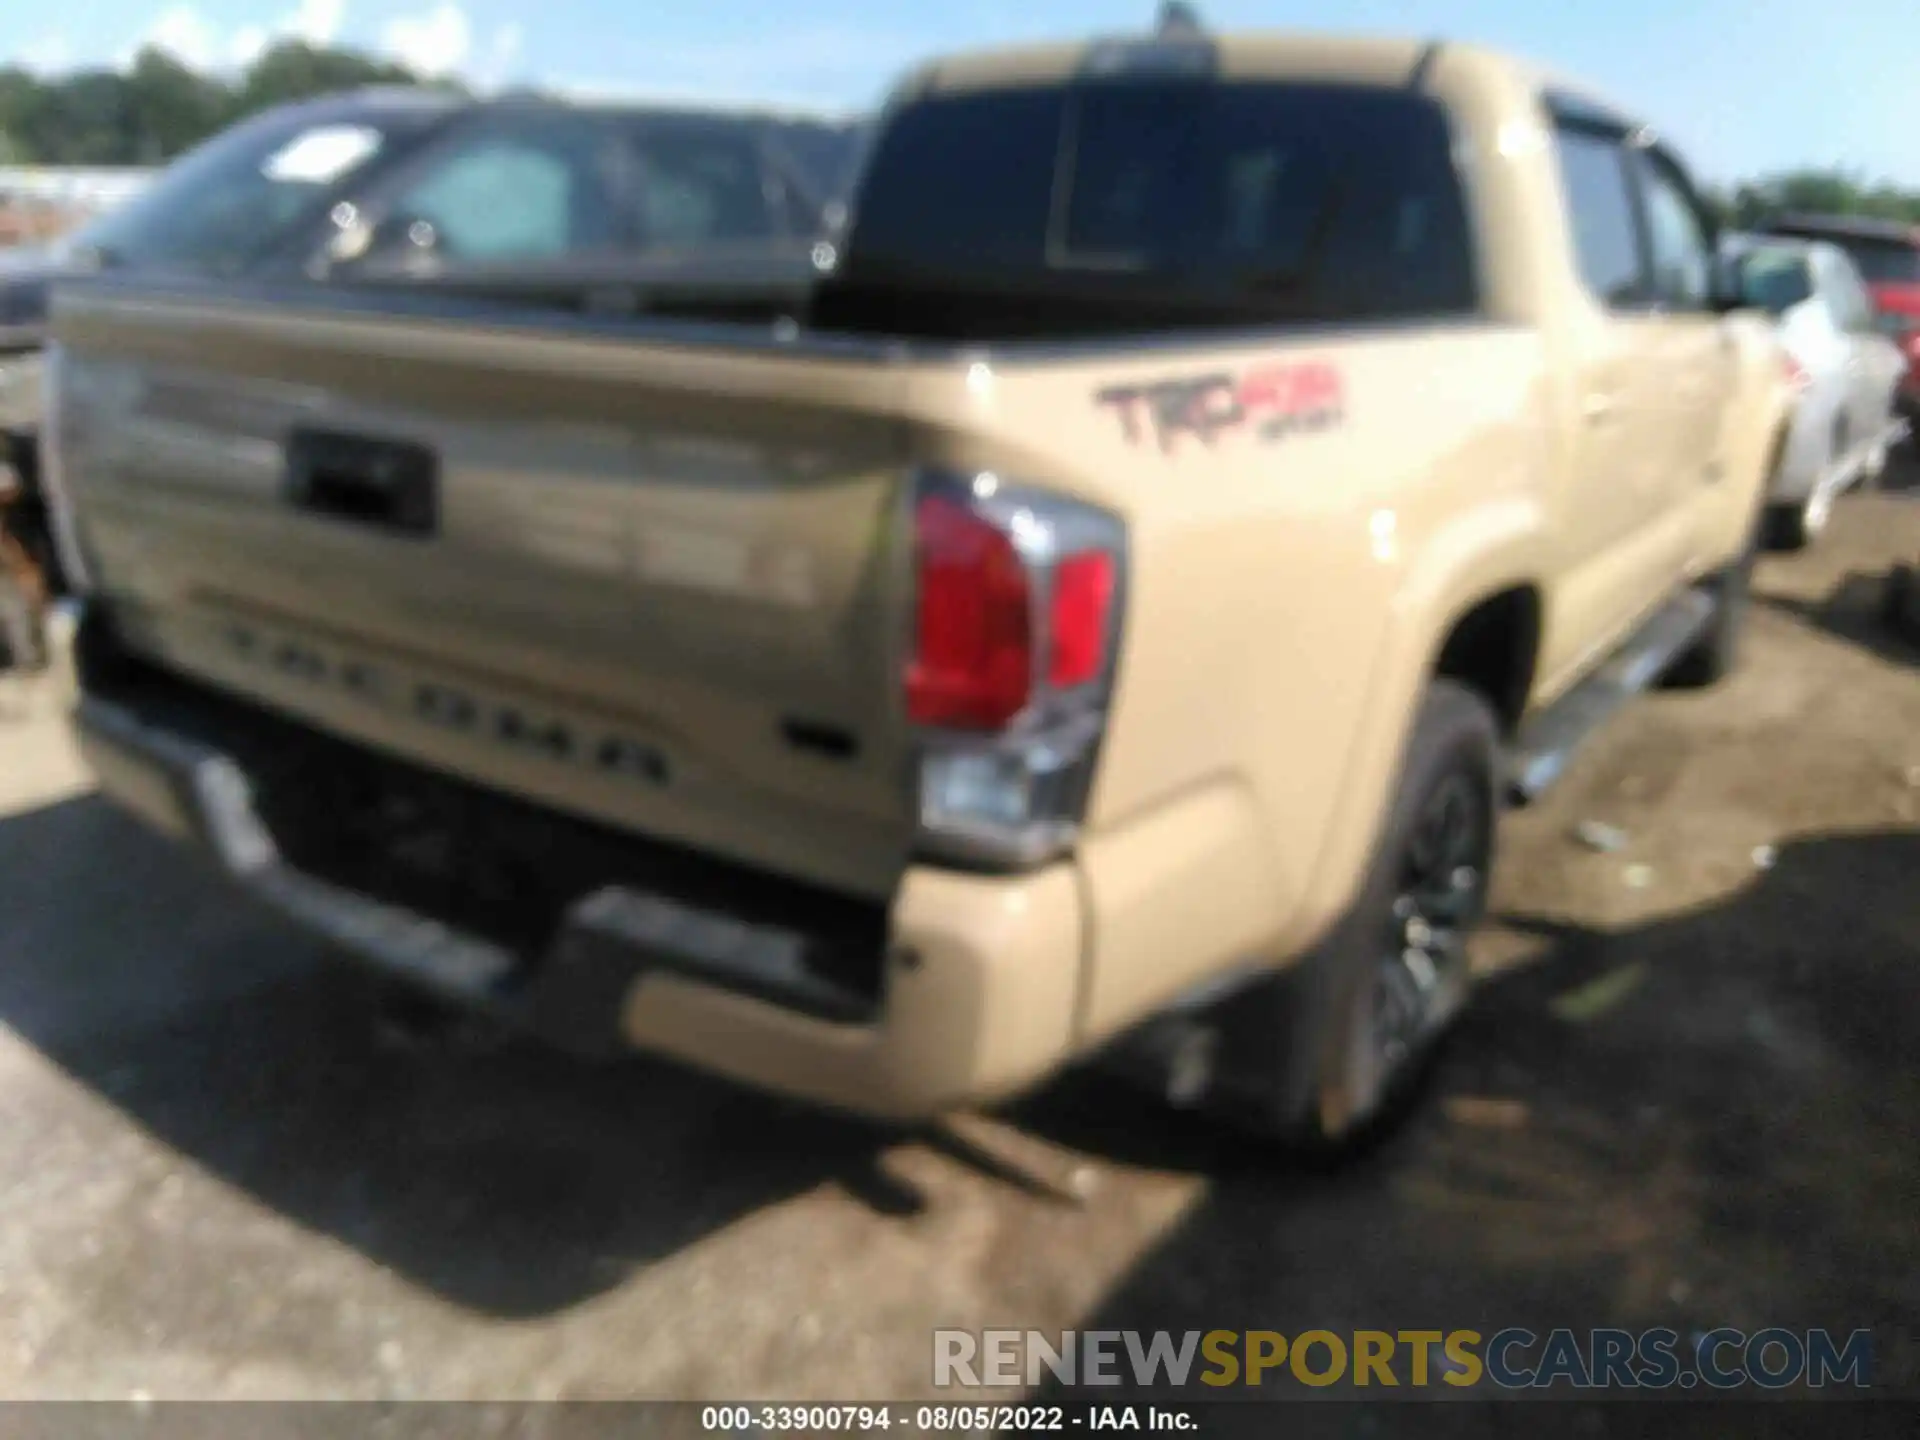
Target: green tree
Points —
{"points": [[1825, 192], [85, 120], [20, 92], [169, 107], [294, 70], [1719, 202], [157, 107]]}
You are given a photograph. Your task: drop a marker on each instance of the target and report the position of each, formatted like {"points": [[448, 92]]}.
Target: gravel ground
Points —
{"points": [[1684, 1096]]}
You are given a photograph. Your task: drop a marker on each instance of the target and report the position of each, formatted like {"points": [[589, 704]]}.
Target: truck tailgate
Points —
{"points": [[650, 582]]}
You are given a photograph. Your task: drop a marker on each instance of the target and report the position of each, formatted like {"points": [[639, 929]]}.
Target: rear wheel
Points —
{"points": [[1795, 527], [1373, 1001]]}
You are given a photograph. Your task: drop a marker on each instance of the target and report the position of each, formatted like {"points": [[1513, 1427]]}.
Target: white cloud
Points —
{"points": [[185, 34], [826, 69], [433, 42], [502, 51], [51, 52], [316, 21], [247, 44]]}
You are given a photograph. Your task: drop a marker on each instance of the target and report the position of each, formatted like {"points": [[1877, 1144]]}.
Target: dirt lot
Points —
{"points": [[1686, 1096]]}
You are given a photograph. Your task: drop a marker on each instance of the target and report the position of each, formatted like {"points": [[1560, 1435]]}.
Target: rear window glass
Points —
{"points": [[961, 186], [1157, 203], [1775, 278], [247, 190], [700, 183], [823, 158], [1881, 259], [1885, 262]]}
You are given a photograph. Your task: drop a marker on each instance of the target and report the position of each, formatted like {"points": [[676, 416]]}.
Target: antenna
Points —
{"points": [[1179, 20]]}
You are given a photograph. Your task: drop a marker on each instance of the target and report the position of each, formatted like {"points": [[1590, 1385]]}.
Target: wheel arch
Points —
{"points": [[1470, 606]]}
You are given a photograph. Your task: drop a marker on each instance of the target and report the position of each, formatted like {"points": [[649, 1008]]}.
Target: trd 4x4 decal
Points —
{"points": [[1277, 400]]}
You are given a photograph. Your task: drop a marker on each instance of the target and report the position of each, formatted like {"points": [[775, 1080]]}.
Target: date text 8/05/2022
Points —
{"points": [[942, 1419]]}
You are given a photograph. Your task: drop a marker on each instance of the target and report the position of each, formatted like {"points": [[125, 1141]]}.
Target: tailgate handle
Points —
{"points": [[385, 484]]}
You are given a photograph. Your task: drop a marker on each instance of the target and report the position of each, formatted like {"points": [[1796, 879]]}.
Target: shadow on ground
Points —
{"points": [[1704, 1121], [1855, 610], [507, 1178]]}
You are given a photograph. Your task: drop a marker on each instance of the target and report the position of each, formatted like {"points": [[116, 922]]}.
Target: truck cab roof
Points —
{"points": [[1243, 55]]}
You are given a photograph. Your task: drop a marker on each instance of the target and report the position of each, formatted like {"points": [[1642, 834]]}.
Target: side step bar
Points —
{"points": [[1547, 740]]}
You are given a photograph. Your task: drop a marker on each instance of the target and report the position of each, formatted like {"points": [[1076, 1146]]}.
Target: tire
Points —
{"points": [[1716, 654], [1362, 1016], [1901, 602], [1792, 528]]}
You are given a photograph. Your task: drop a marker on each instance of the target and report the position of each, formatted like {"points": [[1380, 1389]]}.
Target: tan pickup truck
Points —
{"points": [[1214, 475]]}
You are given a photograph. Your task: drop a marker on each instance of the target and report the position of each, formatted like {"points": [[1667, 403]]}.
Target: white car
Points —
{"points": [[1846, 370]]}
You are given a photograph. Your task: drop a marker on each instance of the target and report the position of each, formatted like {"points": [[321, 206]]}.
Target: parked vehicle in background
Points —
{"points": [[1109, 626], [1887, 253], [1846, 372], [522, 201], [29, 563], [22, 581]]}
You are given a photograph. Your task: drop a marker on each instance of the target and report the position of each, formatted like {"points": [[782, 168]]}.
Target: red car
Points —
{"points": [[1888, 255]]}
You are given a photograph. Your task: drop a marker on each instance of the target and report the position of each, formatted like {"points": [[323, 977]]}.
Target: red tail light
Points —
{"points": [[1015, 620], [974, 631], [1082, 593], [972, 666]]}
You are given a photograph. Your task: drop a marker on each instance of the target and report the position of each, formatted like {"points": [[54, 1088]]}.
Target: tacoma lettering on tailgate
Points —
{"points": [[1277, 400], [506, 723]]}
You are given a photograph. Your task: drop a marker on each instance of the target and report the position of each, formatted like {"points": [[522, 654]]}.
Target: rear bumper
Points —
{"points": [[978, 976]]}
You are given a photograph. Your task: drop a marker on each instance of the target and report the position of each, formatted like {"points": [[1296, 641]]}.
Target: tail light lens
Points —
{"points": [[1078, 619], [972, 664], [1017, 599]]}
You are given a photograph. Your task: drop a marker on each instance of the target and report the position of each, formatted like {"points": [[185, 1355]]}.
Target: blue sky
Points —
{"points": [[1742, 85]]}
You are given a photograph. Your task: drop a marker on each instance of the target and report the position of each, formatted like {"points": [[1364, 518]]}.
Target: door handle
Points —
{"points": [[1598, 408], [383, 484]]}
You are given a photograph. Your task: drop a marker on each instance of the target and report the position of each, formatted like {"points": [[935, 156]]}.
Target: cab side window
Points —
{"points": [[702, 184], [1677, 236], [517, 189], [1598, 191]]}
